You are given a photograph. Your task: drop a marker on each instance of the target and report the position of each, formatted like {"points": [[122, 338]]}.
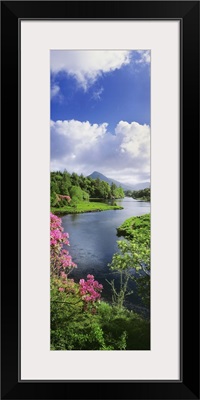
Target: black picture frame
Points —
{"points": [[188, 386]]}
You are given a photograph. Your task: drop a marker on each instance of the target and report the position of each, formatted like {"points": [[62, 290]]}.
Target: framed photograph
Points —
{"points": [[102, 99]]}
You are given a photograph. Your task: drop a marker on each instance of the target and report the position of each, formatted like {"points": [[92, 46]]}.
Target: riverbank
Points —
{"points": [[128, 227], [84, 207], [146, 199]]}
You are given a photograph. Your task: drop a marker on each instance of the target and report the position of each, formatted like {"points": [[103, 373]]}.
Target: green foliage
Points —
{"points": [[76, 207], [75, 326], [103, 327], [53, 199], [116, 192], [128, 334], [124, 329], [118, 297], [133, 224], [134, 255], [65, 184], [85, 196], [76, 193], [143, 194], [72, 328], [81, 187], [75, 179], [143, 285]]}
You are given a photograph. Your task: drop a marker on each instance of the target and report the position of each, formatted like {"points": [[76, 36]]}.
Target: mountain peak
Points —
{"points": [[96, 174]]}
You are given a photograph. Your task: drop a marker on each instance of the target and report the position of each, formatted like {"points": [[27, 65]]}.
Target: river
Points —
{"points": [[93, 239]]}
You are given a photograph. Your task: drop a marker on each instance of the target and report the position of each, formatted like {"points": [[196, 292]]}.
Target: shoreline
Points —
{"points": [[127, 228], [82, 208], [84, 212]]}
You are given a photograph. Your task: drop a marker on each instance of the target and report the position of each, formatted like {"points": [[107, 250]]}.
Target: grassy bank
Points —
{"points": [[131, 224], [84, 207]]}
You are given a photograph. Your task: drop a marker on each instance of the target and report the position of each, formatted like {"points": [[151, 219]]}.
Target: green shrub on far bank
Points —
{"points": [[141, 223], [143, 194], [133, 255]]}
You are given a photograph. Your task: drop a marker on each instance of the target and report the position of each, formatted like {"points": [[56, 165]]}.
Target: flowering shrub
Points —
{"points": [[60, 259], [68, 198], [65, 285], [90, 289], [62, 265]]}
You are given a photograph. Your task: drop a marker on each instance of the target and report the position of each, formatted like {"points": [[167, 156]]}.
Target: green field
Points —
{"points": [[84, 207]]}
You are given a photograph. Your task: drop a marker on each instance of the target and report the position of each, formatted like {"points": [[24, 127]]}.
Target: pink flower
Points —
{"points": [[89, 290], [90, 276], [63, 275], [62, 264], [61, 261]]}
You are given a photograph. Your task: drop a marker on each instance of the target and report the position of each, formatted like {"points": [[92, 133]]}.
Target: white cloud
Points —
{"points": [[145, 57], [83, 147], [55, 90], [97, 94], [86, 66], [134, 138]]}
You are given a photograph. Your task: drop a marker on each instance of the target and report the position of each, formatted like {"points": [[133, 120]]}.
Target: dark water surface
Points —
{"points": [[93, 239]]}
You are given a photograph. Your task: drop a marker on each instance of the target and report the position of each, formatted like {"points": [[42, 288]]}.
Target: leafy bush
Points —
{"points": [[99, 327], [133, 255]]}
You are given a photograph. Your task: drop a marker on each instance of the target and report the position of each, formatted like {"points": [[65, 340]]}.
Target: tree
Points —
{"points": [[119, 193], [143, 194], [128, 193], [53, 199], [74, 179], [82, 182], [113, 188], [76, 193], [134, 256], [85, 196], [65, 184]]}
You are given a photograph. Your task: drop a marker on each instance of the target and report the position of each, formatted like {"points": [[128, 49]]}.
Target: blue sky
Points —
{"points": [[100, 113]]}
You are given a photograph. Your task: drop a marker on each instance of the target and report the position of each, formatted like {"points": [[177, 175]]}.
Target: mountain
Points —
{"points": [[142, 185], [102, 177]]}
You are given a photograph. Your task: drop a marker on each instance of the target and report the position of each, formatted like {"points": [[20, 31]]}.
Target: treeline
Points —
{"points": [[143, 194], [80, 188]]}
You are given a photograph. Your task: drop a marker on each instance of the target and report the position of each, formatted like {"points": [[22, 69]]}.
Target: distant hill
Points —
{"points": [[142, 185], [102, 177]]}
